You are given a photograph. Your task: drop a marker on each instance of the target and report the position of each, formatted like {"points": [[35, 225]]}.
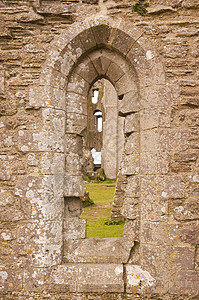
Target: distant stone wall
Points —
{"points": [[51, 52]]}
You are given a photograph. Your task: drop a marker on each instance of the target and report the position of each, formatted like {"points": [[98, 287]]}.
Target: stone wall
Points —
{"points": [[51, 52]]}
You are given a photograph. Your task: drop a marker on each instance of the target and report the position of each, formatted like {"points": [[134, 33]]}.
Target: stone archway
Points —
{"points": [[115, 50]]}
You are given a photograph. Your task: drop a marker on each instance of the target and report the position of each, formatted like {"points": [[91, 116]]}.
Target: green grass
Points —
{"points": [[99, 213]]}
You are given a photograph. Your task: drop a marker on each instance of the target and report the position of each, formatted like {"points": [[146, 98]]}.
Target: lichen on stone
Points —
{"points": [[140, 7]]}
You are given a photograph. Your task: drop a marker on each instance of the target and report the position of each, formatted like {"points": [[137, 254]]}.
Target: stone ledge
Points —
{"points": [[79, 278]]}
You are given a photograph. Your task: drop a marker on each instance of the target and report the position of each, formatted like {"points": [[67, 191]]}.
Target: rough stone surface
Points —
{"points": [[51, 53]]}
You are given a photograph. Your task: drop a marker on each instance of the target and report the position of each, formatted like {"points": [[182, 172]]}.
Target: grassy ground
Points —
{"points": [[102, 195]]}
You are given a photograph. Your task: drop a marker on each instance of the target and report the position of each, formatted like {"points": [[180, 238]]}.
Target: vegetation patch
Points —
{"points": [[140, 7], [113, 222], [99, 213]]}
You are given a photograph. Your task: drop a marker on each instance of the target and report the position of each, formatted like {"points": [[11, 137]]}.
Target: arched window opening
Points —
{"points": [[98, 115], [95, 96], [104, 141]]}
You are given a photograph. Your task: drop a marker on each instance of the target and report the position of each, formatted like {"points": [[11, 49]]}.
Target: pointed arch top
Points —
{"points": [[81, 39]]}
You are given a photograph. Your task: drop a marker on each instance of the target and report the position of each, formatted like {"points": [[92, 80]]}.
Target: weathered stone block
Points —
{"points": [[74, 228], [132, 230], [114, 72], [125, 84], [130, 165], [129, 103], [131, 188], [1, 81], [155, 96], [11, 279], [122, 42], [131, 123], [40, 195], [76, 123], [138, 279], [149, 140], [182, 258], [77, 84], [74, 186], [155, 192], [95, 250], [150, 119], [86, 70], [132, 143], [88, 277], [101, 34], [154, 162], [185, 210], [130, 209], [172, 139], [190, 233], [76, 103], [87, 39], [101, 60], [154, 233]]}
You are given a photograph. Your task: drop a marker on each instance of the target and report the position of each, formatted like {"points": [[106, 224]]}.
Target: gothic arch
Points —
{"points": [[87, 51]]}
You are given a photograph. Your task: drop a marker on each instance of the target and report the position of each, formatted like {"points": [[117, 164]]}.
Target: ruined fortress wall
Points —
{"points": [[51, 52]]}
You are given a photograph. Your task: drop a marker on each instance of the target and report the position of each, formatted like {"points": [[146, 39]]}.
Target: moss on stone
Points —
{"points": [[140, 7]]}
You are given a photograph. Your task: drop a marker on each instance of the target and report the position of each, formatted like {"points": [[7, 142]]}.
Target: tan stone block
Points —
{"points": [[101, 60], [53, 120], [132, 143], [46, 96], [86, 70], [122, 41], [132, 230], [173, 139], [11, 279], [98, 250], [75, 48], [149, 140], [88, 278], [100, 278], [132, 123], [130, 165], [154, 233], [182, 258], [129, 103], [155, 192], [131, 188], [138, 279], [114, 72], [5, 168], [102, 34], [87, 39], [64, 278], [74, 186], [40, 195], [155, 96], [154, 258], [73, 164], [74, 228], [77, 84], [154, 163], [76, 123], [35, 279], [74, 144], [76, 103], [2, 80], [125, 84], [189, 232], [130, 209], [149, 119], [49, 163], [197, 258], [185, 210]]}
